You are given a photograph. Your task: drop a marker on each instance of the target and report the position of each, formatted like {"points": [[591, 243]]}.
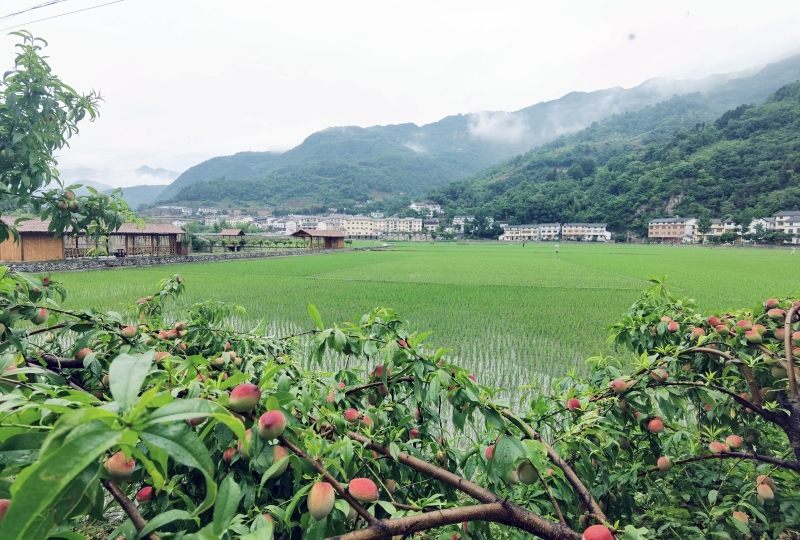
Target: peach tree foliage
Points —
{"points": [[696, 438], [39, 113]]}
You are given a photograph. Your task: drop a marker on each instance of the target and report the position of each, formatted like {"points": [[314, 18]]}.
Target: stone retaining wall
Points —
{"points": [[74, 265]]}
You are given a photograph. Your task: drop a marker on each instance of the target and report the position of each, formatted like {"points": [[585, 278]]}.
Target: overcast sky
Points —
{"points": [[185, 80]]}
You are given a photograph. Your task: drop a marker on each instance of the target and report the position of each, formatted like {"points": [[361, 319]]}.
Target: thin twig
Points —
{"points": [[128, 507], [791, 465], [345, 494]]}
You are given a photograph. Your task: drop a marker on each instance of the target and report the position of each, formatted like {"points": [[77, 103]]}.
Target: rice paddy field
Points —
{"points": [[513, 315]]}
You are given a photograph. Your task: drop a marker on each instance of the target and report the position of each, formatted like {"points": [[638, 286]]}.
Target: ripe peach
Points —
{"points": [[128, 332], [722, 330], [278, 453], [713, 322], [118, 469], [227, 455], [698, 332], [664, 463], [342, 386], [378, 373], [765, 492], [40, 317], [367, 422], [743, 326], [776, 314], [741, 517], [4, 508], [655, 425], [666, 319], [144, 494], [734, 441], [414, 433], [764, 479], [796, 338], [780, 333], [489, 452], [574, 404], [363, 490], [597, 532], [673, 327], [244, 397], [618, 386], [659, 375], [320, 500], [331, 398], [83, 353], [351, 415], [718, 447], [772, 303], [271, 425], [160, 355], [163, 335]]}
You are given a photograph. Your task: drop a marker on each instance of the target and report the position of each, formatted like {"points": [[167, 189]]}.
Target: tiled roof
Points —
{"points": [[36, 225], [231, 232], [317, 233], [31, 225]]}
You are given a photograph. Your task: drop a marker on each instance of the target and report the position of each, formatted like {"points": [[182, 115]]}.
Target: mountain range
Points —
{"points": [[340, 166]]}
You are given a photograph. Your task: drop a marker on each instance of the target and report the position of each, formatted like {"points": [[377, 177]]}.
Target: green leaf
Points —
{"points": [[162, 519], [227, 503], [506, 452], [493, 417], [180, 442], [126, 376], [294, 502], [313, 312], [316, 529], [394, 450], [40, 488]]}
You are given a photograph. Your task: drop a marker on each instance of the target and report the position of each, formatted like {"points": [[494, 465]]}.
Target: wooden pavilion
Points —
{"points": [[321, 239], [36, 243], [156, 239], [231, 233]]}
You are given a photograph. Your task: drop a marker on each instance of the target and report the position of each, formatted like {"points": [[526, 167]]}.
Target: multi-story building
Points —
{"points": [[549, 231], [520, 233], [767, 225], [210, 221], [394, 225], [675, 229], [430, 208], [237, 220], [461, 220], [718, 228], [357, 226], [207, 211], [782, 219], [789, 222], [585, 231]]}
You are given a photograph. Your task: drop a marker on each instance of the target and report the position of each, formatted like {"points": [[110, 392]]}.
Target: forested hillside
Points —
{"points": [[747, 161], [241, 165], [354, 164]]}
